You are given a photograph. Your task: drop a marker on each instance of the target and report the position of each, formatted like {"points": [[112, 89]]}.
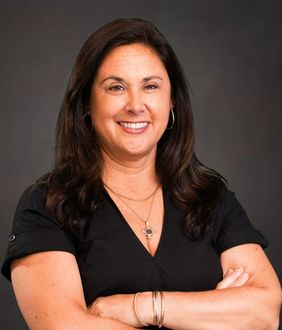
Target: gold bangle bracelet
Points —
{"points": [[158, 307], [154, 298], [136, 311], [161, 319]]}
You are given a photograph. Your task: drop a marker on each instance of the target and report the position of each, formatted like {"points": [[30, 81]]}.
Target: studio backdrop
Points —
{"points": [[231, 53]]}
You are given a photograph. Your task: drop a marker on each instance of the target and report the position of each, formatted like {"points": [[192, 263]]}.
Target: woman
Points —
{"points": [[129, 229]]}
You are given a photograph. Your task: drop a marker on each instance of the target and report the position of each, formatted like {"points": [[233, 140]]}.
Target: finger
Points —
{"points": [[230, 277], [242, 280], [229, 272]]}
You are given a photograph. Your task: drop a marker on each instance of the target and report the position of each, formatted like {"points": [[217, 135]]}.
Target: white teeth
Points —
{"points": [[133, 125]]}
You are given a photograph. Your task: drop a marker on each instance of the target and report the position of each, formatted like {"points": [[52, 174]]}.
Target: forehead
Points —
{"points": [[134, 59]]}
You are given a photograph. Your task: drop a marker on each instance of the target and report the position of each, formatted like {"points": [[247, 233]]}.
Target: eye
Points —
{"points": [[116, 88], [151, 86]]}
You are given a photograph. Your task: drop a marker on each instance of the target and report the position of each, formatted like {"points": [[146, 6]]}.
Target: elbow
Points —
{"points": [[264, 321], [275, 324], [263, 313], [269, 315], [272, 324]]}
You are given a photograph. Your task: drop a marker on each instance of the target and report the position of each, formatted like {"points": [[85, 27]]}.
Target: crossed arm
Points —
{"points": [[248, 297]]}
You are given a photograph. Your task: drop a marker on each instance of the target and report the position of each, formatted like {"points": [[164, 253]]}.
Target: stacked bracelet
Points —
{"points": [[158, 307]]}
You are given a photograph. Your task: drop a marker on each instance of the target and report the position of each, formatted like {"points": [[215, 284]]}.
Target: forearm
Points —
{"points": [[243, 308], [91, 322], [240, 301], [73, 318]]}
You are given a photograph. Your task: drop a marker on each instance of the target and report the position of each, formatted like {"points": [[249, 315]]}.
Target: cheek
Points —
{"points": [[162, 107], [103, 109], [158, 100]]}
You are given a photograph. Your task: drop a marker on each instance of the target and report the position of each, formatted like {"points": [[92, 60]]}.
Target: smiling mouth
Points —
{"points": [[135, 125]]}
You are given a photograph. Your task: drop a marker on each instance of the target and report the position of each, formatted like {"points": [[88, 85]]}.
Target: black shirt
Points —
{"points": [[111, 258]]}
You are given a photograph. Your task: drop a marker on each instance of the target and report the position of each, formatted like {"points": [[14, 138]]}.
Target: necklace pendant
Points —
{"points": [[148, 231]]}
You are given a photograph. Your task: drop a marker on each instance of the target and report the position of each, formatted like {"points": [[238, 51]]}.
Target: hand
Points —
{"points": [[118, 307], [233, 278]]}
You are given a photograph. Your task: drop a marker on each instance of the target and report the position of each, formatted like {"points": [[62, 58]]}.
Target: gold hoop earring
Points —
{"points": [[173, 120]]}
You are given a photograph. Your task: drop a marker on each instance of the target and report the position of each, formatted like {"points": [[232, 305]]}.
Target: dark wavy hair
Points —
{"points": [[75, 187]]}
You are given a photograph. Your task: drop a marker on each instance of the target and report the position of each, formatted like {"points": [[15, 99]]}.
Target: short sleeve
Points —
{"points": [[233, 226], [34, 230]]}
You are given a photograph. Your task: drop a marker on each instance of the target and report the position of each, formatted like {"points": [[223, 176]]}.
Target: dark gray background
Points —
{"points": [[231, 52]]}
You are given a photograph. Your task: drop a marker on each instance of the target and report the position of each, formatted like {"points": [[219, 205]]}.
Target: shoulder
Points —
{"points": [[232, 225], [34, 195], [228, 209], [226, 200], [31, 211]]}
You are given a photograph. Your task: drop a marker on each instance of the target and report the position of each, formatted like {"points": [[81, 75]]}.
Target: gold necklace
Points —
{"points": [[130, 198], [148, 231]]}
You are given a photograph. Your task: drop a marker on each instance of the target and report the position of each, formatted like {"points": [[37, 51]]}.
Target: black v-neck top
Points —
{"points": [[111, 258]]}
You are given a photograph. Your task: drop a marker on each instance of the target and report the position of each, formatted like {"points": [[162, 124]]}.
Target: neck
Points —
{"points": [[133, 177]]}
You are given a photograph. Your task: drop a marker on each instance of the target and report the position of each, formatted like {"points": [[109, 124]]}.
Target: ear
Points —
{"points": [[171, 105]]}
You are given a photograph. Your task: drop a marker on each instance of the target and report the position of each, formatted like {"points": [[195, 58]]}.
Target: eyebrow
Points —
{"points": [[116, 78]]}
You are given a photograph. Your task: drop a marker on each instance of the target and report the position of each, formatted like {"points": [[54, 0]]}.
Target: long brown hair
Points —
{"points": [[75, 186]]}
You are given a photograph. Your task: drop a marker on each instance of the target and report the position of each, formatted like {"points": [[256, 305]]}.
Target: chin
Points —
{"points": [[139, 152]]}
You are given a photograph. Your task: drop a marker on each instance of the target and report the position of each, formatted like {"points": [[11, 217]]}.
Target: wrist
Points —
{"points": [[145, 306]]}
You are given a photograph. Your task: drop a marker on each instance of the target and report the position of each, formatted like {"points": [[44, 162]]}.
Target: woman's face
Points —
{"points": [[130, 101]]}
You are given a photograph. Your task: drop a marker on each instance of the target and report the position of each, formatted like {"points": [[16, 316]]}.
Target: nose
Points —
{"points": [[135, 103]]}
